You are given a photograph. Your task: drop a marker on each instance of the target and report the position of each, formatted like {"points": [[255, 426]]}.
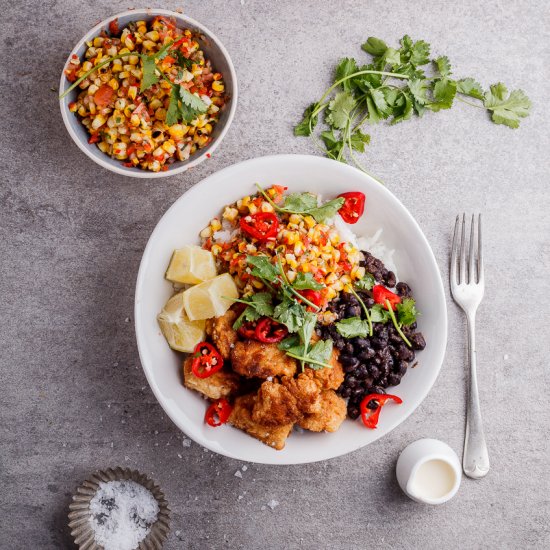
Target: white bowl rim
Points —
{"points": [[118, 168], [277, 458]]}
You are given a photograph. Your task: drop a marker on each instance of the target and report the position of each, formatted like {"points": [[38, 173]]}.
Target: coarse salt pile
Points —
{"points": [[122, 513]]}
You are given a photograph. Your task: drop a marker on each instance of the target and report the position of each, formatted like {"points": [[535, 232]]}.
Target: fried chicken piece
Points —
{"points": [[241, 417], [306, 391], [328, 379], [329, 418], [220, 329], [218, 385], [256, 359], [275, 405]]}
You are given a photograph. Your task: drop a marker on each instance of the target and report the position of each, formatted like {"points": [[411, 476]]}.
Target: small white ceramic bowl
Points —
{"points": [[429, 471], [214, 51], [181, 225]]}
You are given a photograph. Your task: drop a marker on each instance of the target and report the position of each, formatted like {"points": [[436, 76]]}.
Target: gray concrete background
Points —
{"points": [[74, 397]]}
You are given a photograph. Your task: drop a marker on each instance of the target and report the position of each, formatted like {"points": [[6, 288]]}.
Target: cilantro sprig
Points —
{"points": [[183, 106], [287, 311], [395, 86], [306, 205]]}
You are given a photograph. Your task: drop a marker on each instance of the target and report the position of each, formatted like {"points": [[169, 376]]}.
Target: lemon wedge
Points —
{"points": [[209, 299], [191, 264], [180, 332]]}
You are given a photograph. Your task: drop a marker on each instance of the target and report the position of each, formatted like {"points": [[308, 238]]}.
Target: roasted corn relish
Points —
{"points": [[301, 245], [130, 125]]}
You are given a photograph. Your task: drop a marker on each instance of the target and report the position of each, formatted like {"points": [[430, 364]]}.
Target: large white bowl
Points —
{"points": [[214, 51], [192, 211]]}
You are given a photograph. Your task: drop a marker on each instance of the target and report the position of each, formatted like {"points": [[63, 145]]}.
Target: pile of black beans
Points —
{"points": [[374, 363]]}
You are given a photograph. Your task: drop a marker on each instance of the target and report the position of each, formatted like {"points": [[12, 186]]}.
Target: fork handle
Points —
{"points": [[475, 461]]}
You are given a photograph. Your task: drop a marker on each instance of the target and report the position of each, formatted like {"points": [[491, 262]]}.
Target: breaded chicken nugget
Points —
{"points": [[241, 417], [275, 405], [328, 379], [329, 418], [306, 392], [218, 385], [220, 329], [256, 359]]}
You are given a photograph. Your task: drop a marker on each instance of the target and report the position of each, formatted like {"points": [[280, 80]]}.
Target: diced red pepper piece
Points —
{"points": [[353, 207], [263, 226], [382, 295], [114, 29], [218, 413], [370, 416], [104, 96], [206, 360], [314, 296]]}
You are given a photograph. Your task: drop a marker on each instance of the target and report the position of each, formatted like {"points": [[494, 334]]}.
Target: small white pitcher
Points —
{"points": [[429, 471]]}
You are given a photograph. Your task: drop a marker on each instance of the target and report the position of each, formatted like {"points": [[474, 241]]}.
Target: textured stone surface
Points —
{"points": [[74, 397]]}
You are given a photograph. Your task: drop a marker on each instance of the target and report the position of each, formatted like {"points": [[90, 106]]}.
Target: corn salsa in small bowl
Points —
{"points": [[148, 93]]}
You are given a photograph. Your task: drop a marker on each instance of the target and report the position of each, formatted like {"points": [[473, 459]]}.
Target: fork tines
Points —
{"points": [[463, 254]]}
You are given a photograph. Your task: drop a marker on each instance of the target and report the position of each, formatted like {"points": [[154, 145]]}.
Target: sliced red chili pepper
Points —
{"points": [[269, 331], [94, 138], [381, 294], [218, 413], [370, 416], [314, 296], [114, 29], [207, 360], [262, 226], [353, 207], [247, 330]]}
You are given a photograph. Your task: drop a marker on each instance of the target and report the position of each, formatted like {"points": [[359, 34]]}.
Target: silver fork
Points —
{"points": [[467, 288]]}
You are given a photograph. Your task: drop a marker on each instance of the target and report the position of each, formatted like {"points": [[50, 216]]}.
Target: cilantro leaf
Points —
{"points": [[415, 53], [366, 283], [345, 68], [407, 312], [290, 313], [419, 90], [468, 86], [506, 109], [378, 314], [308, 326], [444, 92], [149, 73], [263, 268], [375, 46], [303, 129], [339, 109], [358, 140], [289, 343], [402, 107], [320, 352], [306, 281], [391, 57], [379, 100], [259, 305], [332, 143], [443, 65], [327, 210], [352, 327], [192, 101], [173, 111], [183, 61], [299, 203]]}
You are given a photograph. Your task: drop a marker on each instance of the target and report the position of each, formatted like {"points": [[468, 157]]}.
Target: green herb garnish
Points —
{"points": [[353, 327], [395, 86], [306, 205]]}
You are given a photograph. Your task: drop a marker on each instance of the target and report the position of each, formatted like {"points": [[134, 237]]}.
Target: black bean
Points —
{"points": [[390, 279], [345, 391], [353, 412], [351, 382], [348, 348], [401, 367], [403, 289], [366, 354], [362, 371], [394, 379], [404, 353], [374, 371], [353, 311], [417, 341]]}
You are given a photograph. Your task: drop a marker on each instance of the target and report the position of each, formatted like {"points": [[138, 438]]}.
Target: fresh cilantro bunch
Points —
{"points": [[281, 304], [394, 86], [184, 106]]}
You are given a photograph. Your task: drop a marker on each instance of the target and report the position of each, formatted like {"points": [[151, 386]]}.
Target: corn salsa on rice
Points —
{"points": [[131, 126], [301, 244]]}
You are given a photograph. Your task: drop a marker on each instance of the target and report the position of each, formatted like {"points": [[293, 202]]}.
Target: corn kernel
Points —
{"points": [[134, 120], [104, 147], [160, 113], [98, 41], [129, 43], [177, 131], [113, 83], [133, 60], [132, 92], [119, 150], [98, 121], [230, 214], [165, 85], [266, 207], [217, 86], [148, 44], [257, 284], [169, 147], [215, 224], [309, 221], [216, 249], [205, 233], [153, 35]]}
